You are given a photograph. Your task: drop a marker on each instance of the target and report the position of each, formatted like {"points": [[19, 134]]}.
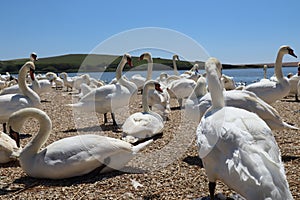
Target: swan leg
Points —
{"points": [[4, 128], [212, 187], [114, 120], [296, 97], [105, 118]]}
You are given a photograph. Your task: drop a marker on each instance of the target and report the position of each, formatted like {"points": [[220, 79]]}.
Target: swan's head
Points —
{"points": [[175, 57], [152, 84], [145, 56], [287, 50], [33, 56], [213, 64], [127, 58]]}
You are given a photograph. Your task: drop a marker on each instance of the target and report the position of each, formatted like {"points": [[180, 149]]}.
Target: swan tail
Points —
{"points": [[139, 147]]}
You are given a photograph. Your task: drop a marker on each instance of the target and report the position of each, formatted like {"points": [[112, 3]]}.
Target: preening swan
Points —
{"points": [[109, 98], [71, 156], [9, 149], [270, 91], [10, 103], [238, 148], [144, 124]]}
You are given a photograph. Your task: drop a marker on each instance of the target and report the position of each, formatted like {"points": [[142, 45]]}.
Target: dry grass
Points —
{"points": [[182, 177]]}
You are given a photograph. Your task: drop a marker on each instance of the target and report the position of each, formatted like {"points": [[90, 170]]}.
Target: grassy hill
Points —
{"points": [[86, 63], [97, 63]]}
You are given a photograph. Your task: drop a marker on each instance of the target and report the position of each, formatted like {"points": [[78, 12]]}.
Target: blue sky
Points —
{"points": [[233, 31]]}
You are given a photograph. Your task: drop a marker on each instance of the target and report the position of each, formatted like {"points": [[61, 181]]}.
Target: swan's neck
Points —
{"points": [[278, 66], [215, 89], [25, 90], [34, 146], [145, 100], [150, 68], [128, 84], [200, 89], [175, 67], [120, 69]]}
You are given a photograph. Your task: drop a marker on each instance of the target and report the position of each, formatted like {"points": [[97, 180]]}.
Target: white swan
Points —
{"points": [[68, 82], [71, 156], [199, 102], [238, 148], [294, 81], [175, 58], [110, 97], [10, 103], [158, 101], [138, 79], [273, 91], [144, 124], [53, 78], [9, 149]]}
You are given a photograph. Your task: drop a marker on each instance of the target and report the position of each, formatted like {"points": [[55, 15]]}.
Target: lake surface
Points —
{"points": [[247, 76]]}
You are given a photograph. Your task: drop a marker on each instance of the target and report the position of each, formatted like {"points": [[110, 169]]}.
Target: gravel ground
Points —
{"points": [[170, 169]]}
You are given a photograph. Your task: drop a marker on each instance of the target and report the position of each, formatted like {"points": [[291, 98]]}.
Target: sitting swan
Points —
{"points": [[10, 103], [9, 149], [71, 156], [144, 124], [270, 91], [238, 148]]}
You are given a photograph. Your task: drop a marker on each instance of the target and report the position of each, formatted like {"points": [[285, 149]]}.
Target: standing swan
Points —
{"points": [[10, 103], [71, 156], [144, 124], [110, 97], [270, 91], [238, 148]]}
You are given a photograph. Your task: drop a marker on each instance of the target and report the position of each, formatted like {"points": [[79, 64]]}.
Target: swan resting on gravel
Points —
{"points": [[71, 156]]}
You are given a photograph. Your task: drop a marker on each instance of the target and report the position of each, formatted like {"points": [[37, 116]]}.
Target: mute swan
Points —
{"points": [[294, 82], [144, 124], [10, 103], [273, 91], [9, 149], [84, 78], [199, 102], [159, 101], [138, 79], [110, 97], [175, 58], [53, 78], [68, 82], [238, 148], [71, 156]]}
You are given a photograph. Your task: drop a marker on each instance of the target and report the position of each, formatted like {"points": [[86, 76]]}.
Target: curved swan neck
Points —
{"points": [[41, 137], [120, 68], [175, 66], [25, 90], [215, 86], [278, 65], [200, 89], [149, 69]]}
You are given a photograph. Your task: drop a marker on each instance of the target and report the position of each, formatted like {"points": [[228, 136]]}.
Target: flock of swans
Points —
{"points": [[234, 134]]}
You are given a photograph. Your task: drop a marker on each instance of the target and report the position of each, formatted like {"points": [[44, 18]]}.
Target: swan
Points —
{"points": [[9, 150], [110, 97], [144, 124], [71, 156], [10, 103], [68, 82], [53, 78], [175, 58], [199, 101], [238, 148], [160, 101], [39, 86], [138, 79], [273, 91], [84, 78], [294, 81]]}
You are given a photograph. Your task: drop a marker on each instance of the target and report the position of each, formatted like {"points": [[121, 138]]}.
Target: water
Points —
{"points": [[247, 76]]}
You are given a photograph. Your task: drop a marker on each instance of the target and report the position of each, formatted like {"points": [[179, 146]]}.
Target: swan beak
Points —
{"points": [[129, 63], [291, 52], [142, 57], [31, 74], [15, 136], [157, 87]]}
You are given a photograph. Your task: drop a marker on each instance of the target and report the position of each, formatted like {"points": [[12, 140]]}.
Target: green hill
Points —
{"points": [[86, 63]]}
